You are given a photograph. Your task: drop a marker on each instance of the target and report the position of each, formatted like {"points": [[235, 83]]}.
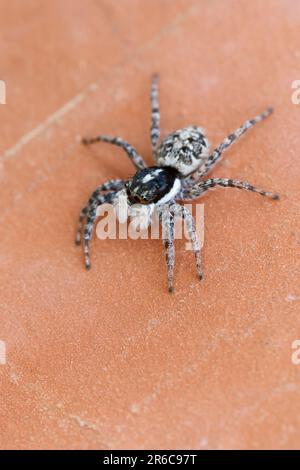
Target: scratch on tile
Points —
{"points": [[92, 87], [52, 119], [82, 423]]}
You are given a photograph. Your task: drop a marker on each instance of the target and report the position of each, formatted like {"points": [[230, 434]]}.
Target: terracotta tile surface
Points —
{"points": [[107, 358]]}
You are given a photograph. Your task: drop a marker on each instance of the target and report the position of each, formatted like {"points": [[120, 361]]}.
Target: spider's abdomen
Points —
{"points": [[185, 150]]}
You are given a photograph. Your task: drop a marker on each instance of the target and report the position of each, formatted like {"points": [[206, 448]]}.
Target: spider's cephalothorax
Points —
{"points": [[182, 160], [153, 185]]}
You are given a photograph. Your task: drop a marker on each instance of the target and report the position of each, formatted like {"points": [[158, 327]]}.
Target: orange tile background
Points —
{"points": [[108, 359]]}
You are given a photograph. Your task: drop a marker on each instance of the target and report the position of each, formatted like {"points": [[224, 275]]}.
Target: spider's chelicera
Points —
{"points": [[182, 160]]}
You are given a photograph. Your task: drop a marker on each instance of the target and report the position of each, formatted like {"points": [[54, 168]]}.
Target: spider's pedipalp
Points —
{"points": [[129, 149]]}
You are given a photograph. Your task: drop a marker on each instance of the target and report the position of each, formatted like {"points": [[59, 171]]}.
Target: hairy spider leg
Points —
{"points": [[133, 155]]}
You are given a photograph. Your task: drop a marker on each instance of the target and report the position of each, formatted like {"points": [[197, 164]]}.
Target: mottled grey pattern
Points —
{"points": [[200, 188], [89, 211], [184, 150], [166, 218], [184, 155], [155, 115], [167, 214], [90, 222], [192, 233]]}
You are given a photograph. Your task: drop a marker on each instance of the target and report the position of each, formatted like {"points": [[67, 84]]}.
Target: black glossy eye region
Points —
{"points": [[150, 185]]}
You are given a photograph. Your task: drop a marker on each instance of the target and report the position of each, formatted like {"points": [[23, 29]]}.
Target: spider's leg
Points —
{"points": [[217, 153], [129, 149], [111, 185], [155, 115], [92, 213], [167, 221], [192, 233], [199, 188], [82, 215], [90, 222]]}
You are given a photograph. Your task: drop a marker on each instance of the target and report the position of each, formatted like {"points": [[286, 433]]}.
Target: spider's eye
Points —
{"points": [[141, 199]]}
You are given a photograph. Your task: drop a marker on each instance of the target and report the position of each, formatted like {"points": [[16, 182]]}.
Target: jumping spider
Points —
{"points": [[182, 159]]}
